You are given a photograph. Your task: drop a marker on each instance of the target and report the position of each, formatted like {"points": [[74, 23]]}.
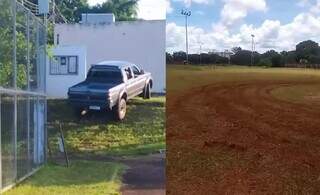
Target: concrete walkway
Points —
{"points": [[145, 175]]}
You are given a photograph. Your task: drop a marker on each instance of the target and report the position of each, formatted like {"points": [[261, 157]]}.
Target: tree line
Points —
{"points": [[307, 53], [123, 10]]}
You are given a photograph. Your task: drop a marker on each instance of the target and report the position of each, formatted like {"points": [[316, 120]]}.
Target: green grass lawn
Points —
{"points": [[142, 132], [94, 136], [83, 177]]}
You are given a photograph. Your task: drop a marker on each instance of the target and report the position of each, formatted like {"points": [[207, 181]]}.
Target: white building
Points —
{"points": [[67, 68], [139, 42]]}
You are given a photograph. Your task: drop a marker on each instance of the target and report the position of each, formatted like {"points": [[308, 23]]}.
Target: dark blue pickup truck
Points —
{"points": [[108, 86]]}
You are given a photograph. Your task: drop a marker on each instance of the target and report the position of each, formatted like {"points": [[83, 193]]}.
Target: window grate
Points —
{"points": [[64, 65]]}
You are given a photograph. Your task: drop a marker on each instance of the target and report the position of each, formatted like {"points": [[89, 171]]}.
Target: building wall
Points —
{"points": [[139, 42], [58, 85]]}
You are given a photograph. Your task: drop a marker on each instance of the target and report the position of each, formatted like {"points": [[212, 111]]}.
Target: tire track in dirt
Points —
{"points": [[277, 143]]}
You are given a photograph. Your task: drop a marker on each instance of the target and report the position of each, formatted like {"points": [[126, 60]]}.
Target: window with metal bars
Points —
{"points": [[64, 65]]}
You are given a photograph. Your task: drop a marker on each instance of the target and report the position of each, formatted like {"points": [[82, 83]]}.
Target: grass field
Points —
{"points": [[181, 78], [243, 130], [96, 137], [83, 177]]}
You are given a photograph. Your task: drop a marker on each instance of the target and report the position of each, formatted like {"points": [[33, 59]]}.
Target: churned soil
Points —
{"points": [[237, 138]]}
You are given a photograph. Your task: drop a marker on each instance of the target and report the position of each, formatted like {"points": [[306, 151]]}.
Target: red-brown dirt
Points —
{"points": [[237, 138]]}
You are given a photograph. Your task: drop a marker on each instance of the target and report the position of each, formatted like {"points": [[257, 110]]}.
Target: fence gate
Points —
{"points": [[22, 92]]}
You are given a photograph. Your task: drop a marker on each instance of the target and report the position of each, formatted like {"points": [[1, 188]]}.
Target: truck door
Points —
{"points": [[139, 80], [130, 82]]}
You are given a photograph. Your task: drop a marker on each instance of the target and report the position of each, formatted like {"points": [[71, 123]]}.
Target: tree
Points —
{"points": [[179, 57], [272, 58], [169, 58], [277, 60], [243, 57], [123, 10], [72, 9], [306, 49], [236, 49], [269, 54]]}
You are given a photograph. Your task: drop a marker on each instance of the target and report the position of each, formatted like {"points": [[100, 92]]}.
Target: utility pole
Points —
{"points": [[186, 14], [200, 52], [252, 50]]}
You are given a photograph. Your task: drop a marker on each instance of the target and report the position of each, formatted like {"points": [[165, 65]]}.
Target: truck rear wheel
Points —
{"points": [[120, 110]]}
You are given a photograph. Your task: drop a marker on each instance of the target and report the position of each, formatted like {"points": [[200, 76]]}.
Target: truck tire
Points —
{"points": [[120, 110], [147, 92]]}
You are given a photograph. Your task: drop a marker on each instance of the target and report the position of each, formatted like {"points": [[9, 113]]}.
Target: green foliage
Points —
{"points": [[306, 49], [265, 62], [277, 60], [307, 52], [6, 44], [243, 57], [124, 10], [203, 58], [72, 9]]}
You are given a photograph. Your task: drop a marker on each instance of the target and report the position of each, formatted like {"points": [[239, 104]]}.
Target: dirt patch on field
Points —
{"points": [[313, 98], [237, 138]]}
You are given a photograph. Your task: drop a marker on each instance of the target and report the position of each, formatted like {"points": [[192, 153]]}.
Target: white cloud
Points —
{"points": [[235, 10], [152, 9], [188, 3], [147, 9], [316, 8], [169, 7], [270, 35], [303, 3]]}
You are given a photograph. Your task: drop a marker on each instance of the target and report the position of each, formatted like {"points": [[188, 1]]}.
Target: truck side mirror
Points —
{"points": [[141, 71]]}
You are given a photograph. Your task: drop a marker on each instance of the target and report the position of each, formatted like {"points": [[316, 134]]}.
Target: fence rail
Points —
{"points": [[311, 66]]}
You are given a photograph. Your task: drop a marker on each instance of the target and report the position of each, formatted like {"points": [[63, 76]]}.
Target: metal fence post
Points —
{"points": [[28, 88], [15, 85], [0, 146], [45, 88]]}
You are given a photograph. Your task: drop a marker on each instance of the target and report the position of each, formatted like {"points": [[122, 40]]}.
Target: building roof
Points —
{"points": [[119, 64]]}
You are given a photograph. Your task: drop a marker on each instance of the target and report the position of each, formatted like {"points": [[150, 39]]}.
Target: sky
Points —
{"points": [[223, 24], [147, 9]]}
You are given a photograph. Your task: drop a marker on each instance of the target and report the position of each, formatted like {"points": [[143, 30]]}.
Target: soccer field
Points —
{"points": [[240, 130]]}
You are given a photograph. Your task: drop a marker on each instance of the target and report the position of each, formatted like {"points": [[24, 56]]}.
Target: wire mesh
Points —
{"points": [[7, 140], [22, 92], [6, 44]]}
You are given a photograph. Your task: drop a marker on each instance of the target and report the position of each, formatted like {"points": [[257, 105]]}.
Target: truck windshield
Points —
{"points": [[105, 75]]}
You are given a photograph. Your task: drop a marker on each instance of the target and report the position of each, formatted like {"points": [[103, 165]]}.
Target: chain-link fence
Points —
{"points": [[22, 93]]}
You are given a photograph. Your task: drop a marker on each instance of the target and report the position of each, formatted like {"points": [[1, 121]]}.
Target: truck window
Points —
{"points": [[128, 73], [136, 71], [105, 75]]}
